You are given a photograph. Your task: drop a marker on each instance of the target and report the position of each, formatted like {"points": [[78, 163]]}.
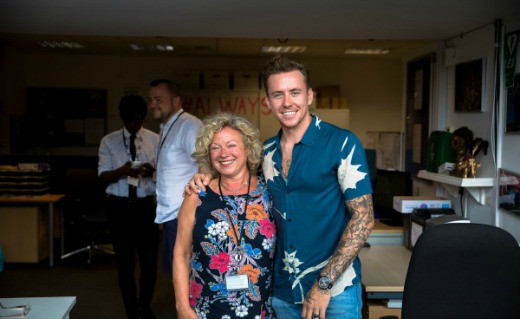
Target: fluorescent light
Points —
{"points": [[60, 45], [158, 47], [368, 51], [165, 47], [283, 49]]}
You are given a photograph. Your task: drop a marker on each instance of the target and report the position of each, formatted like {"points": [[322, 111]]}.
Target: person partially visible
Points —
{"points": [[126, 166], [318, 177], [175, 163], [224, 252]]}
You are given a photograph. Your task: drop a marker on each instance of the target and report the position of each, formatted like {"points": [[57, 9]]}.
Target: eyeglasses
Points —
{"points": [[15, 311]]}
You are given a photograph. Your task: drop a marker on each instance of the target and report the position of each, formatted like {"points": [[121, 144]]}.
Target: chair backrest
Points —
{"points": [[461, 271], [84, 195]]}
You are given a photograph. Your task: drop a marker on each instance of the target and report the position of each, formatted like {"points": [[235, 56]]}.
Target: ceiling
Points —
{"points": [[241, 28]]}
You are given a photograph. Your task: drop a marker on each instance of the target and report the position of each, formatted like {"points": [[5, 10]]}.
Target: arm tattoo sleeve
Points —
{"points": [[353, 238]]}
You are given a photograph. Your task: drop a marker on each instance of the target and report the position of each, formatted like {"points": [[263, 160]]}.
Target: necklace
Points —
{"points": [[234, 189]]}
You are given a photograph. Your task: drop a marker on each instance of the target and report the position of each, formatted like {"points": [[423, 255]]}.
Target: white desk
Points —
{"points": [[383, 270], [41, 307]]}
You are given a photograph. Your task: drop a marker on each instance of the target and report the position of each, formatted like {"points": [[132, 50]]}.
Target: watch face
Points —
{"points": [[324, 283]]}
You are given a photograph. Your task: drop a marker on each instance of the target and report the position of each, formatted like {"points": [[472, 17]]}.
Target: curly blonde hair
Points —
{"points": [[214, 124]]}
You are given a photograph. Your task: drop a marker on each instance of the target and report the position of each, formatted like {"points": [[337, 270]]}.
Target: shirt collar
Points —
{"points": [[172, 119], [127, 133], [310, 134]]}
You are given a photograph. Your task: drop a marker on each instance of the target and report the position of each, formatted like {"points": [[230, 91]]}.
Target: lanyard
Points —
{"points": [[166, 135], [245, 211]]}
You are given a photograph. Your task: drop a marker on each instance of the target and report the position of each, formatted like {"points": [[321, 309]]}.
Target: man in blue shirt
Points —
{"points": [[318, 177]]}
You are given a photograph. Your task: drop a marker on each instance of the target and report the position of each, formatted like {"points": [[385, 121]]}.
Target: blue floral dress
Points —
{"points": [[216, 255]]}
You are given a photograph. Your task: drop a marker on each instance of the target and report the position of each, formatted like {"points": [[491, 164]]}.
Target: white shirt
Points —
{"points": [[114, 152], [175, 163]]}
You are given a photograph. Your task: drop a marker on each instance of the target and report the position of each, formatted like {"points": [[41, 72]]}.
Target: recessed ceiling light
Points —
{"points": [[368, 51], [283, 49], [60, 45], [158, 47], [165, 47]]}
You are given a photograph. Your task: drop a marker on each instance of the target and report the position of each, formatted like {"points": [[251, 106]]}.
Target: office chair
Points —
{"points": [[463, 271], [84, 211]]}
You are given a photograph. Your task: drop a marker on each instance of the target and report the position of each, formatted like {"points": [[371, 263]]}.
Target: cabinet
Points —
{"points": [[23, 234], [376, 309]]}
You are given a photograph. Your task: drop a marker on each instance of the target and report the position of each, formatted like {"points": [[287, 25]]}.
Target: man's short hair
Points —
{"points": [[132, 106], [282, 64], [173, 87]]}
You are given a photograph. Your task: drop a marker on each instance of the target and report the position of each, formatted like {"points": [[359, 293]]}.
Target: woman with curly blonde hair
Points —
{"points": [[223, 255]]}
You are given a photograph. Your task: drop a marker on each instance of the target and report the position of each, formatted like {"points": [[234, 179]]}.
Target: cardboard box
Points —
{"points": [[406, 204], [446, 168]]}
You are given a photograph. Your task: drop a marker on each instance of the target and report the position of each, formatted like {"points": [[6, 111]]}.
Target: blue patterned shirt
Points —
{"points": [[328, 168]]}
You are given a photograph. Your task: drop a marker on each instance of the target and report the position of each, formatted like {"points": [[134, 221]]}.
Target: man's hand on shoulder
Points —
{"points": [[199, 181]]}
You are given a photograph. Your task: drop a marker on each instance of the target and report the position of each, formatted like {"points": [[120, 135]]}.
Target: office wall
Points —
{"points": [[504, 150], [371, 85]]}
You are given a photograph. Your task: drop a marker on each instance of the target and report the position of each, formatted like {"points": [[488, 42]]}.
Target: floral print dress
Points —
{"points": [[215, 253]]}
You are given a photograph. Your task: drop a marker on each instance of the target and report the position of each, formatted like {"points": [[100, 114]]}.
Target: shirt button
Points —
{"points": [[289, 220]]}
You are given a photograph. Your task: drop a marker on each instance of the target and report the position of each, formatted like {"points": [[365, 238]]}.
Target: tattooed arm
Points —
{"points": [[351, 242]]}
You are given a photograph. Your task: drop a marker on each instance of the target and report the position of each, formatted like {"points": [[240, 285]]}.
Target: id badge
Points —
{"points": [[132, 181], [237, 282]]}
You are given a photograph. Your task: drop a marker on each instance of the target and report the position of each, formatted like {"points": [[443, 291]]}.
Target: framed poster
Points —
{"points": [[513, 106], [468, 86]]}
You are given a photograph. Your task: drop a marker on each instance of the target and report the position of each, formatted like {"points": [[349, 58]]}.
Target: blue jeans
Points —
{"points": [[346, 305]]}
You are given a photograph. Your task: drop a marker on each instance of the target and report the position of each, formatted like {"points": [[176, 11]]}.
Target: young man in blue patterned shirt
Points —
{"points": [[318, 177]]}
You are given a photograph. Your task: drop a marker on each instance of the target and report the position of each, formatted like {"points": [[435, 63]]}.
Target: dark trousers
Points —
{"points": [[134, 231]]}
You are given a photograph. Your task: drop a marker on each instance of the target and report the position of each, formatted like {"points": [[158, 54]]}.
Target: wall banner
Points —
{"points": [[511, 44]]}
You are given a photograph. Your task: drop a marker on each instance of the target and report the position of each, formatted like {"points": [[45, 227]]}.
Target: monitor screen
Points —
{"points": [[388, 184]]}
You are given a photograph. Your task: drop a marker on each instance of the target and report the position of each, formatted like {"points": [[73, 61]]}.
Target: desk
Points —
{"points": [[383, 234], [42, 307], [384, 271], [48, 199]]}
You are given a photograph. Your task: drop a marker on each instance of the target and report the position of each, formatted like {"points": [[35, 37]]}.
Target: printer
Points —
{"points": [[424, 218]]}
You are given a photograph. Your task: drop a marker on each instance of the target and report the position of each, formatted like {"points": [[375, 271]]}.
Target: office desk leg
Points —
{"points": [[51, 235]]}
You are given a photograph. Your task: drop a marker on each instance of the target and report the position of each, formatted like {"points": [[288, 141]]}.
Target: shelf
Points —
{"points": [[475, 186]]}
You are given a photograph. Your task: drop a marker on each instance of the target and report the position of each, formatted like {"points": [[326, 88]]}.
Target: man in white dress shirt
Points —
{"points": [[126, 159], [175, 163]]}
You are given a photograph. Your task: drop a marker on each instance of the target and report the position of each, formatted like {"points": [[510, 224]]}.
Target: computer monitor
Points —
{"points": [[388, 184]]}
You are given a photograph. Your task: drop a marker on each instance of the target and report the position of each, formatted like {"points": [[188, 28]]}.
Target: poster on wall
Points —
{"points": [[513, 106], [468, 86], [511, 45]]}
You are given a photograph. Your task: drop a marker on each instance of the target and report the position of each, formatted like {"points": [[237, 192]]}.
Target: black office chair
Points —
{"points": [[463, 271], [85, 216]]}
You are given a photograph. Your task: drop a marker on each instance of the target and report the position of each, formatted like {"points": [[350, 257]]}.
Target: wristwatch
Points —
{"points": [[324, 282]]}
